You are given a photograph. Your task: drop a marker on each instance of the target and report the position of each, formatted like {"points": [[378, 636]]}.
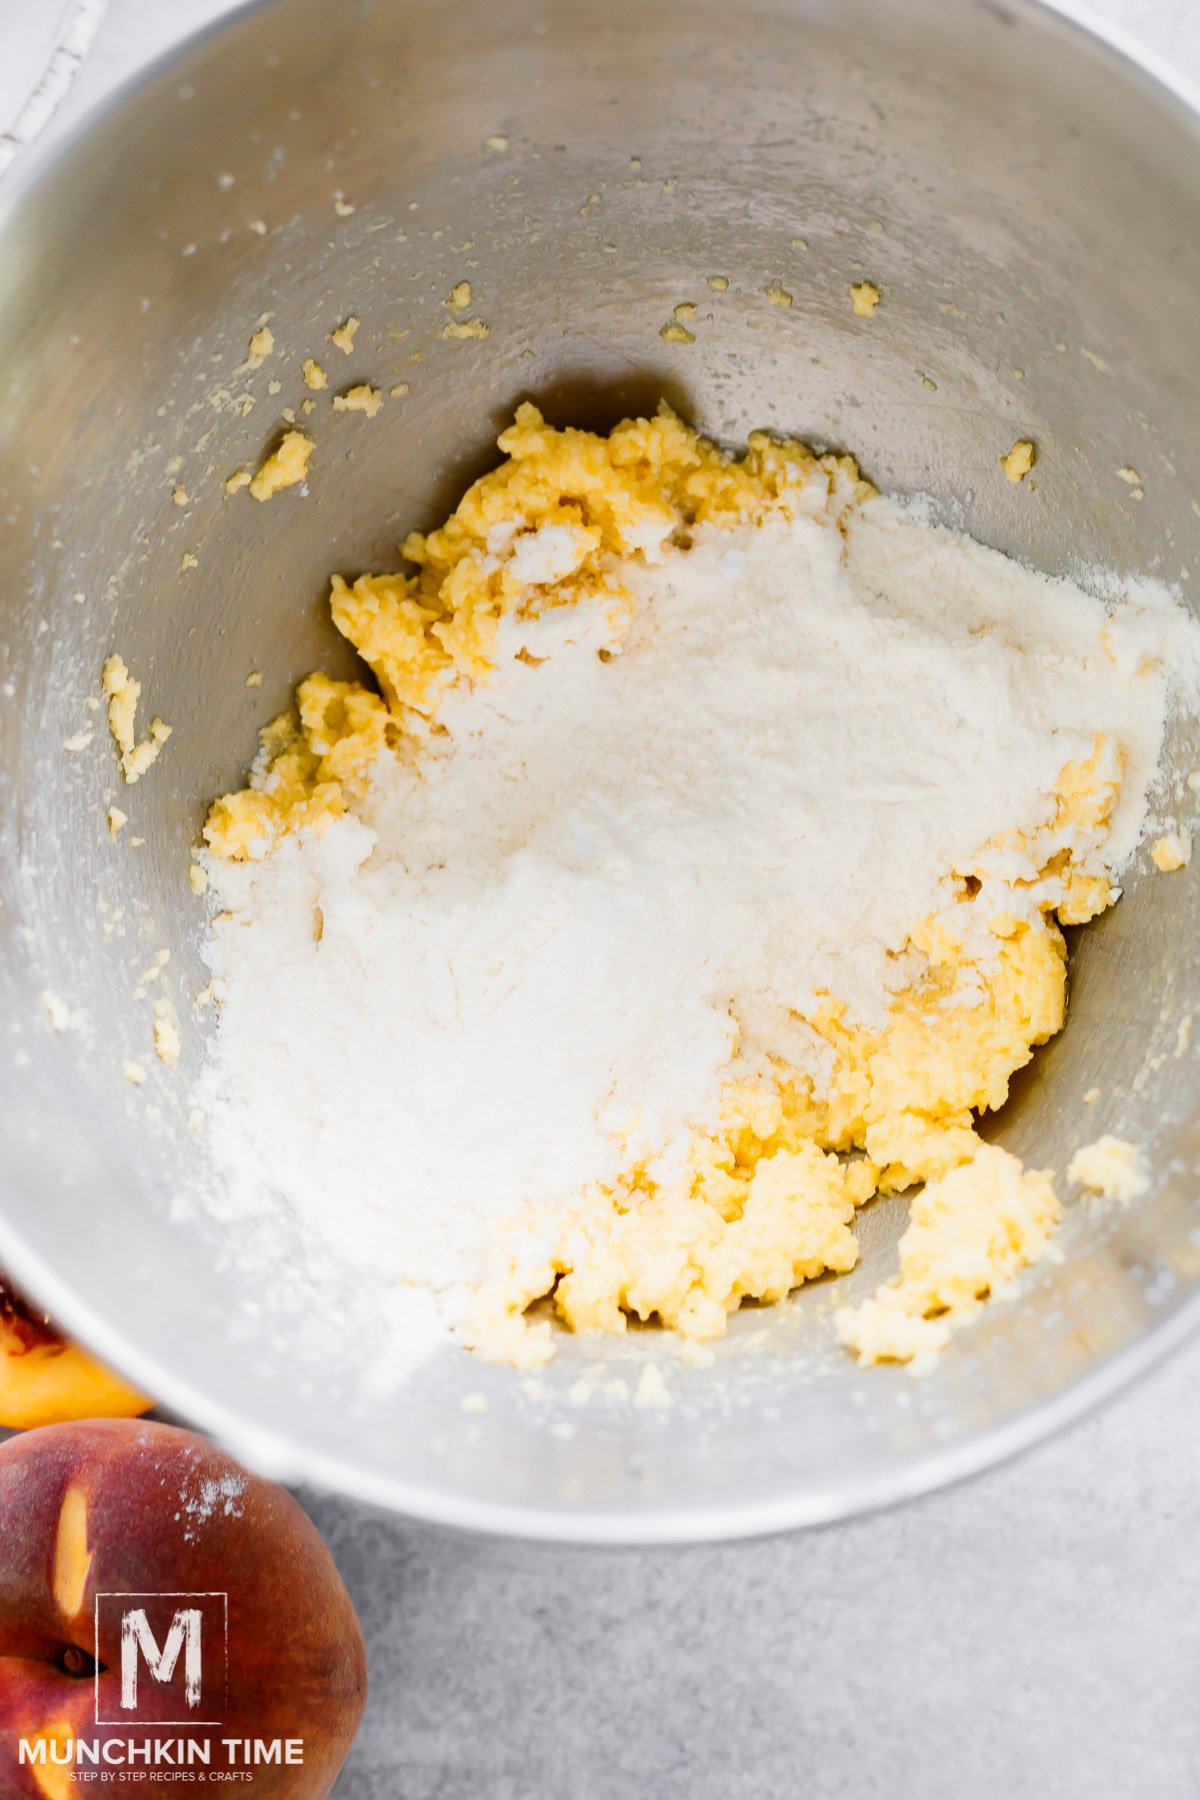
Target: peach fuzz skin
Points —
{"points": [[119, 1506]]}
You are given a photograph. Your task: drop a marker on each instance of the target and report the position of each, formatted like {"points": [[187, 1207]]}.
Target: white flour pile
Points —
{"points": [[535, 956]]}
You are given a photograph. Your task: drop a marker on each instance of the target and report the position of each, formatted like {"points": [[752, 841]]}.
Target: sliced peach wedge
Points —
{"points": [[47, 1380]]}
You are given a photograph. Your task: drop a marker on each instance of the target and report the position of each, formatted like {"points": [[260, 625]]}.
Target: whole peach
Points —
{"points": [[163, 1610]]}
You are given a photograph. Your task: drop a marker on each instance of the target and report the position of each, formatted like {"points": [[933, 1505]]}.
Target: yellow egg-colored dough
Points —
{"points": [[1020, 460], [261, 345], [1171, 851], [743, 1229], [769, 1198], [285, 467], [1110, 1167], [420, 631], [969, 1232], [123, 693], [343, 335], [363, 398]]}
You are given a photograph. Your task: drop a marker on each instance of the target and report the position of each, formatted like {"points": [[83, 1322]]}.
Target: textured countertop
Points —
{"points": [[1038, 1630]]}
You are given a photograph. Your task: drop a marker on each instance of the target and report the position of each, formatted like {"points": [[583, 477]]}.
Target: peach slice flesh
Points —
{"points": [[46, 1380]]}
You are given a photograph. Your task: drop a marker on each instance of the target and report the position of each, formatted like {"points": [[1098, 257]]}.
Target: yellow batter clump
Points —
{"points": [[123, 693], [285, 467], [969, 1233], [1110, 1167], [769, 1197], [418, 632], [1020, 460]]}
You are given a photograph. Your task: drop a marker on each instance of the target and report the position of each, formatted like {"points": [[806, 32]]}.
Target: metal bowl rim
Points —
{"points": [[288, 1461]]}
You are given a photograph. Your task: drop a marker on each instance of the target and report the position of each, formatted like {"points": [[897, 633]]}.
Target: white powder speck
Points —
{"points": [[60, 1016], [548, 554], [652, 1391], [214, 1498]]}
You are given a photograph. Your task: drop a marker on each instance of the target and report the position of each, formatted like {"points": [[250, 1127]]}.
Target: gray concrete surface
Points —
{"points": [[1036, 1632]]}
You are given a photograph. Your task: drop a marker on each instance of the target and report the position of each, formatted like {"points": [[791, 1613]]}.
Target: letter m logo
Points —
{"points": [[137, 1642], [161, 1659]]}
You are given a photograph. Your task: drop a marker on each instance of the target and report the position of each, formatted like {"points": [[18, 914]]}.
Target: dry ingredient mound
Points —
{"points": [[692, 871]]}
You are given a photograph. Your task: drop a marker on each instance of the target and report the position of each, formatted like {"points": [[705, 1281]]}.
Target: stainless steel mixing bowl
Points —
{"points": [[1027, 200]]}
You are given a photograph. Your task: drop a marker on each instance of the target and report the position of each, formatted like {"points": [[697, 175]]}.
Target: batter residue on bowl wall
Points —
{"points": [[694, 872]]}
